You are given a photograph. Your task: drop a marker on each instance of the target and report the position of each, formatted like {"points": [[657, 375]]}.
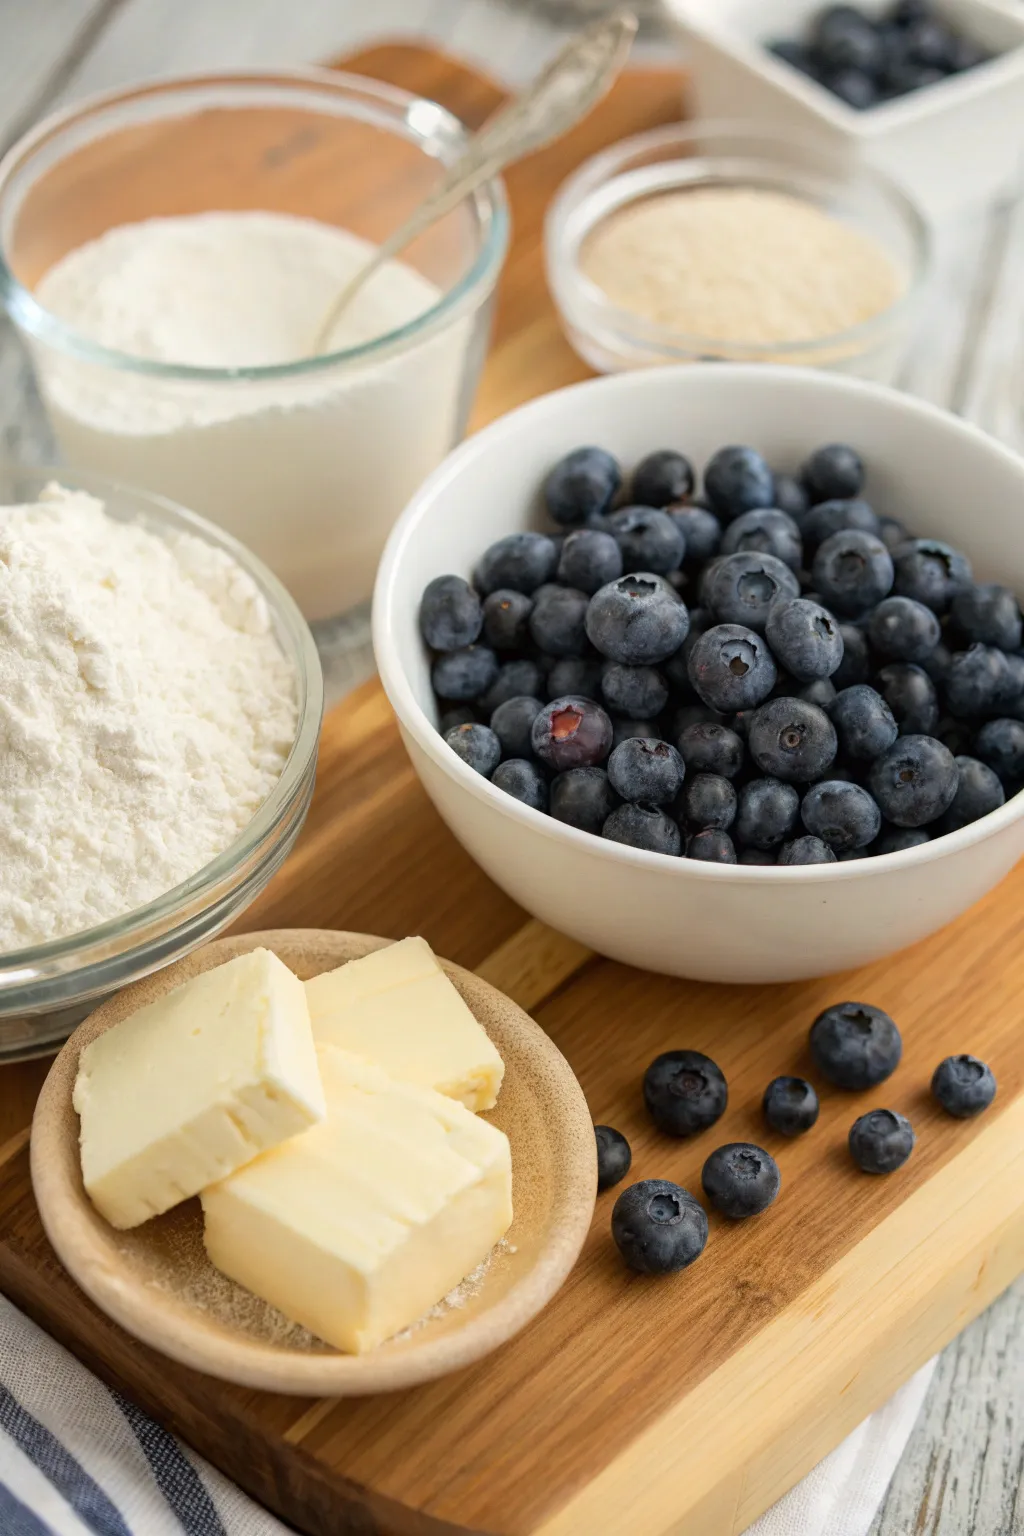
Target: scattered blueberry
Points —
{"points": [[864, 722], [915, 782], [662, 479], [978, 793], [744, 587], [512, 723], [572, 733], [792, 740], [478, 747], [584, 798], [806, 850], [842, 814], [790, 1105], [731, 668], [637, 621], [614, 1156], [639, 692], [853, 571], [855, 1046], [804, 638], [740, 1179], [768, 814], [522, 780], [644, 770], [684, 1092], [931, 572], [738, 480], [581, 486], [1000, 744], [464, 675], [707, 747], [881, 1141], [644, 826], [658, 1227], [451, 615], [711, 847], [650, 540], [506, 615], [522, 561], [964, 1086], [911, 695], [589, 559]]}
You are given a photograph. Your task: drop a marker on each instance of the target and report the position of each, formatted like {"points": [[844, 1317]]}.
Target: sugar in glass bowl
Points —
{"points": [[46, 990], [682, 917], [307, 461]]}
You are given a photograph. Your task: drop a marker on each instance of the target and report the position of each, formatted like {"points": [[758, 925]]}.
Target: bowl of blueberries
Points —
{"points": [[719, 670], [929, 91]]}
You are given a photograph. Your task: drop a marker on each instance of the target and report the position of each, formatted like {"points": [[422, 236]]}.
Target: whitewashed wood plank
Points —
{"points": [[36, 37], [944, 337], [993, 391]]}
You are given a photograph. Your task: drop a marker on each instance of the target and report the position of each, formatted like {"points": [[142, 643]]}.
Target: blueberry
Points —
{"points": [[731, 668], [901, 76], [792, 740], [790, 1105], [695, 714], [637, 621], [701, 531], [558, 623], [853, 571], [744, 587], [767, 815], [761, 856], [450, 614], [589, 559], [937, 663], [478, 747], [903, 629], [964, 1086], [651, 771], [626, 730], [740, 1179], [583, 797], [830, 517], [855, 666], [976, 680], [707, 747], [658, 1227], [930, 572], [650, 540], [738, 480], [843, 815], [965, 53], [765, 531], [521, 561], [854, 86], [512, 723], [978, 793], [899, 839], [791, 497], [855, 1045], [639, 692], [881, 1141], [643, 826], [464, 675], [805, 638], [904, 12], [797, 56], [459, 714], [661, 479], [806, 850], [614, 1156], [928, 42], [915, 781], [685, 1092], [892, 532], [835, 471], [708, 802], [575, 674], [523, 781], [581, 486], [822, 691], [572, 732], [910, 694], [1011, 690], [988, 615], [514, 680], [1000, 744], [505, 619], [711, 846], [864, 723]]}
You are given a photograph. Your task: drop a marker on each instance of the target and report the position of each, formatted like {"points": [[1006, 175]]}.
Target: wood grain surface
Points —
{"points": [[682, 1406]]}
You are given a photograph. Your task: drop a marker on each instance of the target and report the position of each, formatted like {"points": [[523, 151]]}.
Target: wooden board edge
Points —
{"points": [[938, 1261]]}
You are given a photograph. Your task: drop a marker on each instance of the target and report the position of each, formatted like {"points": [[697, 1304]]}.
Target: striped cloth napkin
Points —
{"points": [[78, 1459]]}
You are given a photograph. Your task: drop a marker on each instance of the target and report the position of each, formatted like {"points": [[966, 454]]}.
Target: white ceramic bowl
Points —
{"points": [[686, 918], [951, 145]]}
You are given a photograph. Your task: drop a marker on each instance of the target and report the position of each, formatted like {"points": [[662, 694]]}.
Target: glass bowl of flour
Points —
{"points": [[168, 253], [160, 707]]}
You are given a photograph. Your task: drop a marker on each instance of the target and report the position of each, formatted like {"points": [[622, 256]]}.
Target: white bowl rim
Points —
{"points": [[413, 718]]}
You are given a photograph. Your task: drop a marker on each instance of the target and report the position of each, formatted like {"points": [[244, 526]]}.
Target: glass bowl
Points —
{"points": [[307, 462], [47, 989], [684, 157]]}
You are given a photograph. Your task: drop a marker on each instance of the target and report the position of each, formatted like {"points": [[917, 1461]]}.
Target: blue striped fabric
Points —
{"points": [[67, 1475], [176, 1477], [16, 1519]]}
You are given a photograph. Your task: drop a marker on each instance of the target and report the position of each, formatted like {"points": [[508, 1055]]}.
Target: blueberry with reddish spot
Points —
{"points": [[506, 619], [741, 1179], [685, 1092], [658, 1227], [855, 1045], [572, 732], [614, 1156], [711, 846], [478, 747]]}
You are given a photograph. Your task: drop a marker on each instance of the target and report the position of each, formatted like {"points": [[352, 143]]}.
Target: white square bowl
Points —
{"points": [[951, 145]]}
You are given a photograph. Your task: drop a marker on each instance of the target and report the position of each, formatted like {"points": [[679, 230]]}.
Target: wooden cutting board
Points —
{"points": [[630, 1407]]}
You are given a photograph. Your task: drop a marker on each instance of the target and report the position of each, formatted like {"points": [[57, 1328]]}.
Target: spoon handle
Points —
{"points": [[562, 94]]}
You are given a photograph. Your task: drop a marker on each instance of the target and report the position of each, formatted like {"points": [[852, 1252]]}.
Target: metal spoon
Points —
{"points": [[562, 94]]}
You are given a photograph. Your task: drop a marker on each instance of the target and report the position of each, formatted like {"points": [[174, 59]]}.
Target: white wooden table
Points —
{"points": [[963, 1472]]}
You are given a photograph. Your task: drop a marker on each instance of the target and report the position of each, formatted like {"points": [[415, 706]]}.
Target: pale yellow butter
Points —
{"points": [[358, 1227], [190, 1088], [398, 1009]]}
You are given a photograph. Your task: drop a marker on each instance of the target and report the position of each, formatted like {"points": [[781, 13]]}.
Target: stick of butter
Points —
{"points": [[189, 1088], [398, 1009], [358, 1227]]}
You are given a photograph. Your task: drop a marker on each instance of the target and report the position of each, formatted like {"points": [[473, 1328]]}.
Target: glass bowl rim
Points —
{"points": [[88, 946], [629, 329], [490, 200]]}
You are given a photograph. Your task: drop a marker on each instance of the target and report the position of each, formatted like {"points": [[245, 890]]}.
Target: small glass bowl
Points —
{"points": [[307, 462], [684, 157], [46, 990]]}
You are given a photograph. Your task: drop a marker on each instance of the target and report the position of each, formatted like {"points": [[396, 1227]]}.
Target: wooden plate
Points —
{"points": [[157, 1282]]}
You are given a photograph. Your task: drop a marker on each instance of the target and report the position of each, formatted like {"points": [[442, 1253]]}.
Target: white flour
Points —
{"points": [[146, 710], [310, 473]]}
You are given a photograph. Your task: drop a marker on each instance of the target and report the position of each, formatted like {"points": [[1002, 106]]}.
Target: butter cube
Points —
{"points": [[187, 1089], [358, 1227], [398, 1009]]}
